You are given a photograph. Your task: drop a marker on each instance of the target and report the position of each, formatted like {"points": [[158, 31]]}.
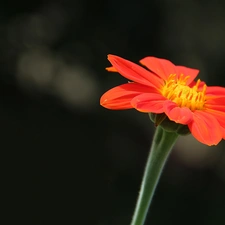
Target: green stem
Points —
{"points": [[162, 144]]}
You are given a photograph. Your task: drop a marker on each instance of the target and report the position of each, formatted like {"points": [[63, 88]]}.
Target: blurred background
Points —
{"points": [[67, 160]]}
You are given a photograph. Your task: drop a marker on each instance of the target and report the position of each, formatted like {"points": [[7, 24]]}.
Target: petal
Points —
{"points": [[149, 103], [220, 116], [216, 103], [135, 72], [111, 69], [119, 97], [177, 114], [215, 90], [205, 128], [188, 72], [223, 130], [162, 67]]}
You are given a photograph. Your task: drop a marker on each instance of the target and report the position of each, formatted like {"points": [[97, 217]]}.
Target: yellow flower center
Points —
{"points": [[176, 90]]}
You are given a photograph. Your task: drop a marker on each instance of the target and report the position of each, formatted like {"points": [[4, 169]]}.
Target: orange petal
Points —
{"points": [[120, 97], [135, 72], [220, 116], [178, 114], [111, 69], [205, 128], [188, 72], [162, 67], [149, 103], [216, 103], [223, 130], [214, 90]]}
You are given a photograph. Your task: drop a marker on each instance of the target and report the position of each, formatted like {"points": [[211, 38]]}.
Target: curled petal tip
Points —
{"points": [[111, 69], [110, 56], [103, 101]]}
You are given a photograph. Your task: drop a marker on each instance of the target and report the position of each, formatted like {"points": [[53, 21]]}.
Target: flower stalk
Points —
{"points": [[162, 144]]}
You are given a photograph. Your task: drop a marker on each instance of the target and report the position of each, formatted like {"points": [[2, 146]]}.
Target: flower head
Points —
{"points": [[169, 89]]}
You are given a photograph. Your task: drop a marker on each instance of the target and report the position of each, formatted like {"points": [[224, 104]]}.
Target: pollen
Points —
{"points": [[176, 89]]}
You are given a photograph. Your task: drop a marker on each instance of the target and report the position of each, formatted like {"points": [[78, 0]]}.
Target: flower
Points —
{"points": [[166, 88]]}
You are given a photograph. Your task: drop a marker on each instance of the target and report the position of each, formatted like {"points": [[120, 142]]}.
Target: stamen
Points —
{"points": [[197, 84], [181, 77], [190, 97], [186, 78], [176, 90], [204, 89]]}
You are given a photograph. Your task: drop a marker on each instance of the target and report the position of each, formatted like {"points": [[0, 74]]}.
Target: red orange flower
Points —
{"points": [[166, 88]]}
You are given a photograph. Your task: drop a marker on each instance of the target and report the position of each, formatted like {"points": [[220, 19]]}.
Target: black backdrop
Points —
{"points": [[66, 160]]}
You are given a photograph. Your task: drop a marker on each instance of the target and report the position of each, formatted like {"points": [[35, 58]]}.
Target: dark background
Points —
{"points": [[67, 160]]}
